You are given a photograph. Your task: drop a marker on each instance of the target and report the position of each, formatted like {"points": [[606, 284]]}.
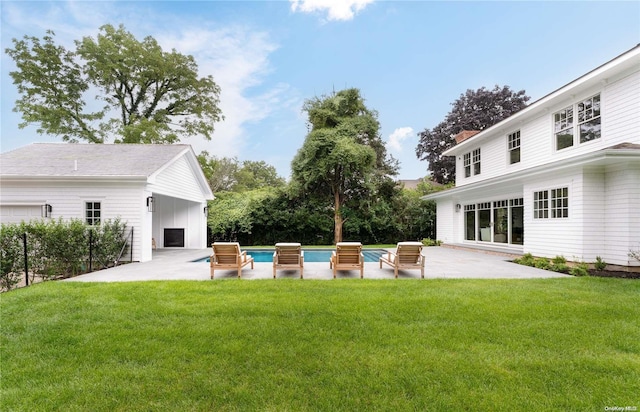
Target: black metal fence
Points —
{"points": [[27, 257]]}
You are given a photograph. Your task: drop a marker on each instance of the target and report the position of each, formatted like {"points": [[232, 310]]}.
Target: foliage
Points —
{"points": [[152, 96], [635, 254], [527, 260], [474, 110], [431, 242], [559, 264], [229, 175], [58, 248], [542, 263], [343, 160], [580, 269], [471, 345], [230, 214], [600, 264]]}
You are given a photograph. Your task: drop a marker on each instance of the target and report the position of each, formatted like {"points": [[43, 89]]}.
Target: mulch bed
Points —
{"points": [[615, 274]]}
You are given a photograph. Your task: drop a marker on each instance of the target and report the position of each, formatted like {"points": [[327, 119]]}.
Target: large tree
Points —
{"points": [[474, 110], [144, 94], [343, 156]]}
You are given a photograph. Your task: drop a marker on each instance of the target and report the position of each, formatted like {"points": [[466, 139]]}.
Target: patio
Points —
{"points": [[441, 262]]}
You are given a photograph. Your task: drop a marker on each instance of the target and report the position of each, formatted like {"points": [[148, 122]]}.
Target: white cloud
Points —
{"points": [[396, 138], [237, 58], [336, 9]]}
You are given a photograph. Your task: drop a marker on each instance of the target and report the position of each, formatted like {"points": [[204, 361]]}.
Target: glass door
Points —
{"points": [[500, 221]]}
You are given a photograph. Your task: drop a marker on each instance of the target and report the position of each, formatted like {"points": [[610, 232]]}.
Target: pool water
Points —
{"points": [[310, 255]]}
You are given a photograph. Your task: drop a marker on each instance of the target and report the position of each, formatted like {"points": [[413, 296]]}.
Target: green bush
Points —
{"points": [[600, 263], [559, 264], [581, 269], [542, 263], [431, 242], [57, 249], [527, 260]]}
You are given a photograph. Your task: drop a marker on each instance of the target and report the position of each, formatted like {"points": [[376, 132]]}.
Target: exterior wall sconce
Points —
{"points": [[46, 210], [151, 205], [206, 210], [458, 207]]}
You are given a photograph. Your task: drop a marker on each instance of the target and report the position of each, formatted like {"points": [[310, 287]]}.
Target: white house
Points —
{"points": [[560, 177], [158, 190]]}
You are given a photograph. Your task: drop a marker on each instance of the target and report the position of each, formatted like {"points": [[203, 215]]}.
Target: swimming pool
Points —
{"points": [[310, 255]]}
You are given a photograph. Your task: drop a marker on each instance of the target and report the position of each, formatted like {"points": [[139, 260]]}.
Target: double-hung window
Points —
{"points": [[589, 119], [476, 161], [514, 147], [579, 122], [467, 165]]}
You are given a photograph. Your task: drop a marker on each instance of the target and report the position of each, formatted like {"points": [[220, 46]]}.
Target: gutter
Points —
{"points": [[592, 157]]}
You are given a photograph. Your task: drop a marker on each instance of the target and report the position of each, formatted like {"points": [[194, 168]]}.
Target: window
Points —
{"points": [[514, 147], [560, 203], [589, 119], [563, 127], [467, 164], [541, 205], [587, 123], [92, 214], [554, 200], [476, 162]]}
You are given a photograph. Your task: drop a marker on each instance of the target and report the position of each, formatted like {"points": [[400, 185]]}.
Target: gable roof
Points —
{"points": [[88, 160]]}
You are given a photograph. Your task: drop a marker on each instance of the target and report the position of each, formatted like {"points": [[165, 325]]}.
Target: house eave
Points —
{"points": [[600, 157], [22, 178]]}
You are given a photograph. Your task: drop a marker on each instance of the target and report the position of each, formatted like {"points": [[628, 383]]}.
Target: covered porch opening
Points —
{"points": [[178, 223]]}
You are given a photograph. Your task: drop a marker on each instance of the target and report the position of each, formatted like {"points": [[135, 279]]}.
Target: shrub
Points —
{"points": [[559, 264], [431, 242], [57, 248], [600, 263], [527, 260], [542, 263], [581, 269]]}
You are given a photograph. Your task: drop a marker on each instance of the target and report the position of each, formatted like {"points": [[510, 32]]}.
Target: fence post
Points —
{"points": [[26, 261], [90, 250]]}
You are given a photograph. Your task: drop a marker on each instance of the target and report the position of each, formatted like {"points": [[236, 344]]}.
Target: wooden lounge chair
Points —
{"points": [[288, 256], [408, 255], [228, 256], [347, 256]]}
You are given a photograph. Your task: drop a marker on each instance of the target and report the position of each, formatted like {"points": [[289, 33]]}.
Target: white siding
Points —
{"points": [[445, 221], [178, 180], [118, 200], [620, 102], [622, 214], [555, 237], [174, 213], [593, 214]]}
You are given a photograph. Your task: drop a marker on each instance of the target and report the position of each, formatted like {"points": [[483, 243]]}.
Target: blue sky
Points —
{"points": [[410, 59]]}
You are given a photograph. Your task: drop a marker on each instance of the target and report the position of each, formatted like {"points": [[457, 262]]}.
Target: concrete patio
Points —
{"points": [[441, 262]]}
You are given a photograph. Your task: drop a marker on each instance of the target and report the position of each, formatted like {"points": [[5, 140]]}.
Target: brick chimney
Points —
{"points": [[465, 134]]}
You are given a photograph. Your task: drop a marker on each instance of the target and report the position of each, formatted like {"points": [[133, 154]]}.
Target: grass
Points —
{"points": [[289, 345]]}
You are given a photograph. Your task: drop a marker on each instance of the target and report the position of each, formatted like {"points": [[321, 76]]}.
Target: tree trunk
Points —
{"points": [[337, 219]]}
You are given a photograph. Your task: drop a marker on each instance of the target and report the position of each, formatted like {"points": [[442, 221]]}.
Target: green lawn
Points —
{"points": [[291, 345]]}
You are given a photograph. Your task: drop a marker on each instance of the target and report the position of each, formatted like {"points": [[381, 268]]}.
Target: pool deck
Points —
{"points": [[441, 262]]}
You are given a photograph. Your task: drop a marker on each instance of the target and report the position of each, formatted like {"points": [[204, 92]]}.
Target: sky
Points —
{"points": [[410, 59]]}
